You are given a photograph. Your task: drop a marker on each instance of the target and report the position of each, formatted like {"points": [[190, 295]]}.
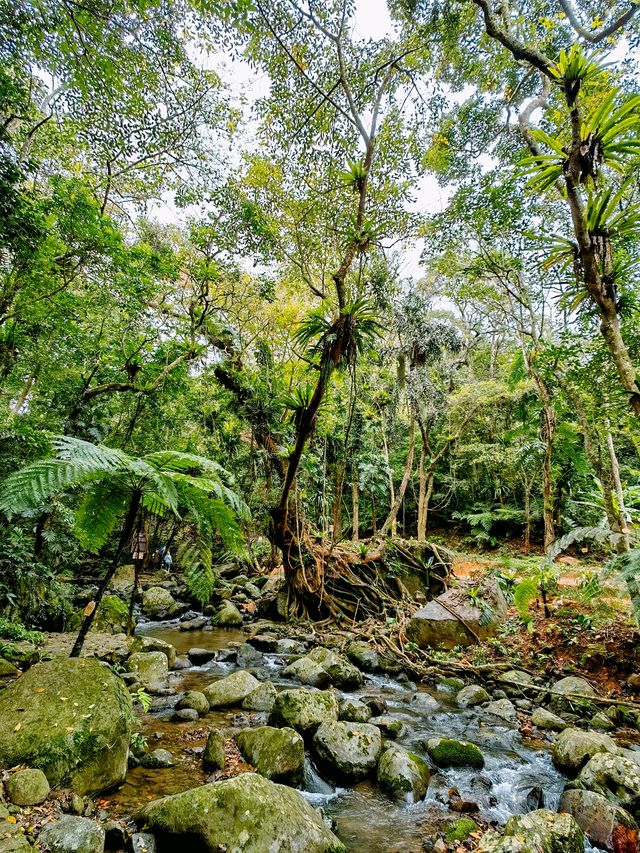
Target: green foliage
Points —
{"points": [[10, 630]]}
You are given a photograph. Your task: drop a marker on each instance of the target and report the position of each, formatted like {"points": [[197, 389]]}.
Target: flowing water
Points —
{"points": [[365, 820]]}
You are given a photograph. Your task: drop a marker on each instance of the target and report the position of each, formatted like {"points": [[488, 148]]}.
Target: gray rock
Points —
{"points": [[198, 656], [157, 759], [70, 834], [389, 726], [152, 644], [435, 626], [304, 710], [196, 624], [472, 694], [213, 755], [196, 700], [574, 748], [503, 709], [343, 674], [244, 813], [231, 690], [27, 787], [602, 722], [181, 663], [288, 646], [246, 656], [11, 839], [263, 698], [547, 720], [347, 751], [354, 711], [605, 824], [540, 831], [615, 777], [277, 754], [143, 842], [403, 775], [569, 685], [307, 671], [185, 715]]}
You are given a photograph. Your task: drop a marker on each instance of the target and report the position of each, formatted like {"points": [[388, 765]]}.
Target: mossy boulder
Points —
{"points": [[403, 775], [228, 616], [20, 653], [390, 727], [231, 690], [71, 718], [471, 695], [552, 833], [157, 759], [70, 834], [153, 644], [354, 711], [247, 813], [263, 698], [277, 754], [615, 777], [157, 603], [152, 668], [575, 747], [307, 671], [27, 787], [562, 698], [7, 669], [348, 752], [342, 673], [112, 617], [447, 752], [195, 700], [364, 657], [304, 710], [213, 755], [606, 825]]}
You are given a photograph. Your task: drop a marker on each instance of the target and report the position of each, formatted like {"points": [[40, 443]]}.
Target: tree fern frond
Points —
{"points": [[523, 594], [98, 514], [90, 455], [30, 487]]}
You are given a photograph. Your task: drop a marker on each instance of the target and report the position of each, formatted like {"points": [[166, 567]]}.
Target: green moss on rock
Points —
{"points": [[446, 752], [461, 829], [72, 719]]}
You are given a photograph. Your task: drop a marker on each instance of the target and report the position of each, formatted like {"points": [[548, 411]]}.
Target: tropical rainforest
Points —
{"points": [[319, 413]]}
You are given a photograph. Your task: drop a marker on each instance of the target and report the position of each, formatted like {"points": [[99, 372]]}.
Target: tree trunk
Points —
{"points": [[355, 501], [374, 516], [125, 538], [527, 516], [617, 482], [385, 456], [336, 510], [393, 514], [422, 492]]}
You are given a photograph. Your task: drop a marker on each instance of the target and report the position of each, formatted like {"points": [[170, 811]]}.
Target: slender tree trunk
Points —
{"points": [[617, 482], [527, 516], [547, 432], [422, 493], [392, 491], [337, 503], [125, 538], [355, 501], [374, 516], [24, 393], [393, 514]]}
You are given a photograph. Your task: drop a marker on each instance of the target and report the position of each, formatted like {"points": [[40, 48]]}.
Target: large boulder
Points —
{"points": [[444, 622], [153, 644], [70, 834], [606, 825], [263, 698], [446, 752], [247, 813], [157, 603], [231, 690], [471, 695], [342, 673], [543, 719], [347, 751], [364, 657], [228, 616], [307, 671], [277, 754], [615, 777], [152, 668], [575, 747], [71, 718], [562, 698], [403, 775], [27, 787], [540, 831], [304, 710]]}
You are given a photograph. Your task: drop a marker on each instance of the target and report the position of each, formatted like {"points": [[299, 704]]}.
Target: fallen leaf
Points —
{"points": [[91, 606], [18, 727]]}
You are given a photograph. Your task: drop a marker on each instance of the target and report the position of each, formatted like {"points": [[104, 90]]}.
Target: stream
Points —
{"points": [[365, 819]]}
